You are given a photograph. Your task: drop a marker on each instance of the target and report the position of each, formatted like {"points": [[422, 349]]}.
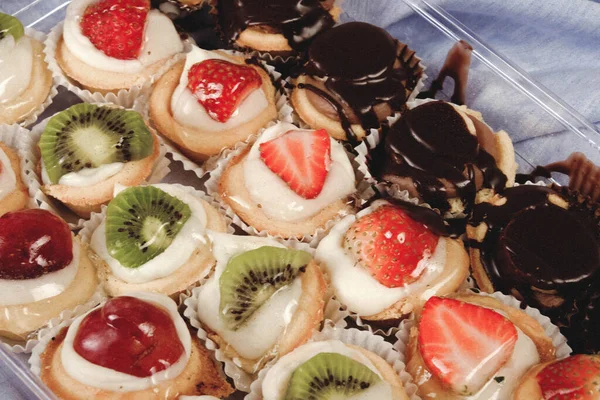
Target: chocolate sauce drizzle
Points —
{"points": [[359, 65], [547, 256], [298, 20]]}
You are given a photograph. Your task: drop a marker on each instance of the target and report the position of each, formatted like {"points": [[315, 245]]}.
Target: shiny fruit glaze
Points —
{"points": [[129, 335], [33, 243]]}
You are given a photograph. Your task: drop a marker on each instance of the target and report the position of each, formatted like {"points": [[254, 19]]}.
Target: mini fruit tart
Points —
{"points": [[542, 246], [153, 239], [13, 192], [87, 149], [387, 260], [44, 270], [473, 347], [210, 101], [572, 378], [109, 45], [290, 182], [25, 79], [355, 77], [130, 347], [262, 301]]}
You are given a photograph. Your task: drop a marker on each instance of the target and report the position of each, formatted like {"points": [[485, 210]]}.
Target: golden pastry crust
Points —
{"points": [[430, 386], [232, 189], [97, 80], [84, 201], [19, 320], [528, 388], [194, 269], [199, 144], [17, 199], [306, 319], [35, 94], [201, 376]]}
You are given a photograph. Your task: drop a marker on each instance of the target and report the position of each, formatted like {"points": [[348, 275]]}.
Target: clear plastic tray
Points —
{"points": [[543, 127]]}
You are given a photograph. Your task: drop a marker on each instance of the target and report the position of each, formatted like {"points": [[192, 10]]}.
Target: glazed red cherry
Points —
{"points": [[33, 243], [129, 335]]}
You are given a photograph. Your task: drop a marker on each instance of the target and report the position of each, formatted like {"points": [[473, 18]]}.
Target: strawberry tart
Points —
{"points": [[109, 45], [13, 192], [290, 182], [473, 347], [387, 260], [210, 101]]}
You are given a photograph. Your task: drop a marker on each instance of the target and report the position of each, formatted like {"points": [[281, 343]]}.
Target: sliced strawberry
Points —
{"points": [[389, 244], [116, 27], [221, 86], [301, 159], [573, 378], [463, 344]]}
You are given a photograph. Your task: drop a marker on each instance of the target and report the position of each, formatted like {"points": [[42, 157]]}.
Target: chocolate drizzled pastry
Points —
{"points": [[541, 245], [355, 76]]}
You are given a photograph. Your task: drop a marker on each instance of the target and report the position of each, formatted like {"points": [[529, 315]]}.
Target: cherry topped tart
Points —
{"points": [[33, 243]]}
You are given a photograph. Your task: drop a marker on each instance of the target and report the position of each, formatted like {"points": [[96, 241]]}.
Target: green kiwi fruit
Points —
{"points": [[141, 222], [9, 25], [88, 136], [329, 376], [252, 277]]}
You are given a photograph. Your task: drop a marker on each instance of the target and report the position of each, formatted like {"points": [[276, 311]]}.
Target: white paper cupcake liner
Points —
{"points": [[374, 344], [124, 97], [31, 157], [12, 136]]}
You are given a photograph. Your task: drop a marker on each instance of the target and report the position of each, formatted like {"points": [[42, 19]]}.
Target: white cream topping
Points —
{"points": [[161, 41], [263, 329], [16, 65], [187, 111], [276, 381], [190, 237], [91, 176], [8, 179], [24, 291], [104, 378], [276, 198], [356, 288]]}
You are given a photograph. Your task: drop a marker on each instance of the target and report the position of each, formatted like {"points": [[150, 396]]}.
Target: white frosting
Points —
{"points": [[187, 111], [8, 179], [161, 41], [190, 237], [90, 176], [263, 329], [356, 288], [276, 381], [16, 65], [104, 378], [276, 198], [24, 291]]}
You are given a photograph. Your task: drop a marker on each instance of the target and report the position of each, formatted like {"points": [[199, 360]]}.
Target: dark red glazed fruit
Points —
{"points": [[129, 335], [33, 243]]}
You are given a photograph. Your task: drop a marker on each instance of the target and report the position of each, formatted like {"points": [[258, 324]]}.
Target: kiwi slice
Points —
{"points": [[9, 25], [88, 136], [251, 278], [141, 222], [329, 376]]}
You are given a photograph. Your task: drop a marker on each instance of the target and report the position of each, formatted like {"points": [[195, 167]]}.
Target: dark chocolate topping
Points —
{"points": [[428, 217], [298, 20]]}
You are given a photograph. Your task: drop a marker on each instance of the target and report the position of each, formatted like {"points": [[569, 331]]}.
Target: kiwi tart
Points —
{"points": [[153, 238], [87, 149], [263, 300]]}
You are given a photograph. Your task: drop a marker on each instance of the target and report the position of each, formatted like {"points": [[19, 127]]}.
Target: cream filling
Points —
{"points": [[188, 111], [189, 238], [104, 378], [264, 328], [273, 194], [16, 66], [85, 177], [356, 288], [25, 291], [161, 41], [8, 179], [276, 381]]}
